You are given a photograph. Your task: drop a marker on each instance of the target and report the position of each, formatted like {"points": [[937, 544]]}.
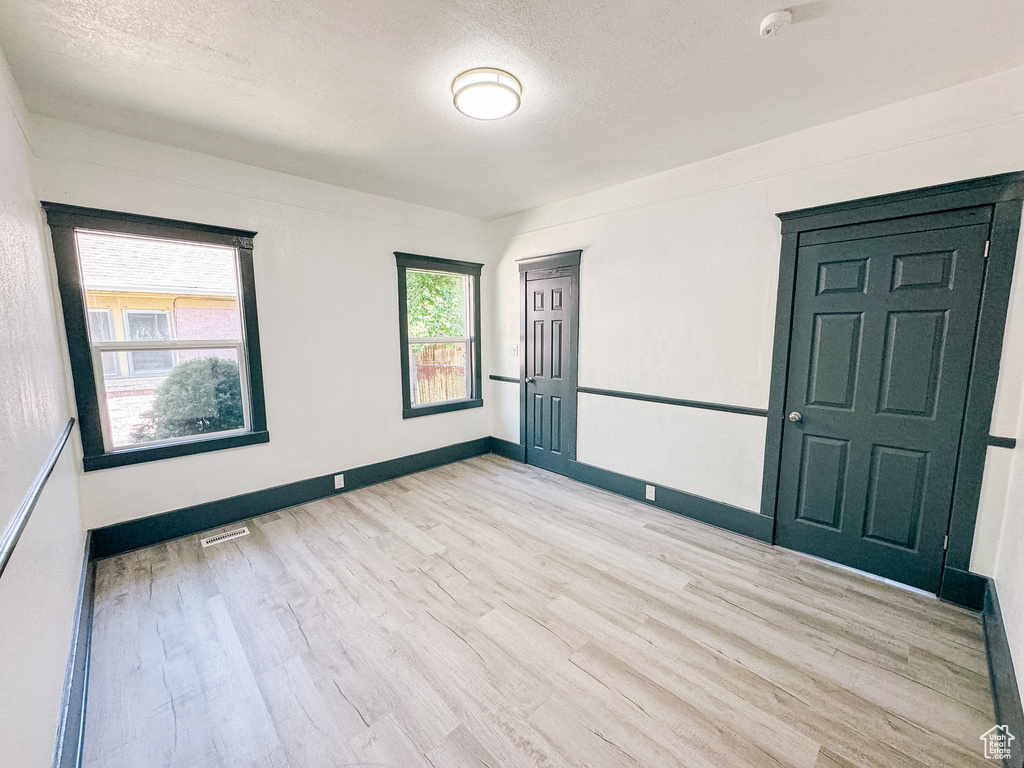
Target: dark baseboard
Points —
{"points": [[687, 504], [963, 588], [135, 534], [68, 752], [508, 449], [1005, 693]]}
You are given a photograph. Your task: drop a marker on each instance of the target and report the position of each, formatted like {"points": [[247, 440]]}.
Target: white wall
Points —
{"points": [[679, 275], [326, 286], [39, 589]]}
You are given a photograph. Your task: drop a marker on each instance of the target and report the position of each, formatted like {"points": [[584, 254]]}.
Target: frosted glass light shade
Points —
{"points": [[486, 94]]}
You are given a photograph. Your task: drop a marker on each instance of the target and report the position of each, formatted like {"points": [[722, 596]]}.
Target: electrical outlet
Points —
{"points": [[339, 482], [515, 350], [649, 493]]}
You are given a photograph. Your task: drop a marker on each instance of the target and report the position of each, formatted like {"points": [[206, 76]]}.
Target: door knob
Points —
{"points": [[796, 416], [529, 379]]}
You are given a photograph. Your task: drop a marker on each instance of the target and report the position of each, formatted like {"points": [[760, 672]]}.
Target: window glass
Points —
{"points": [[438, 372], [148, 326], [198, 396], [193, 285], [437, 304], [101, 328]]}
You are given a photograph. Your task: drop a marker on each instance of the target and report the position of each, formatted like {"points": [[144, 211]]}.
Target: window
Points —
{"points": [[101, 328], [439, 325], [143, 325], [162, 334]]}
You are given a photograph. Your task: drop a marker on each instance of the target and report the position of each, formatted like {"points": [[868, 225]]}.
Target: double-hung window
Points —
{"points": [[162, 334], [439, 326]]}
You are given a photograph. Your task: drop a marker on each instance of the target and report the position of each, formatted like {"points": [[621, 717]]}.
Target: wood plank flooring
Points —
{"points": [[492, 614]]}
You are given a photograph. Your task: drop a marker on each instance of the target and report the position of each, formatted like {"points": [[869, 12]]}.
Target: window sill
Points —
{"points": [[428, 410], [141, 455]]}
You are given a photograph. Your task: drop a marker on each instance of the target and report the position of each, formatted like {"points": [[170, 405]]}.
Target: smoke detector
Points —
{"points": [[774, 22]]}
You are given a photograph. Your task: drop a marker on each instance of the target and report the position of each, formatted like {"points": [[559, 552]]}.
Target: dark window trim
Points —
{"points": [[63, 221], [406, 261], [76, 217], [1004, 195]]}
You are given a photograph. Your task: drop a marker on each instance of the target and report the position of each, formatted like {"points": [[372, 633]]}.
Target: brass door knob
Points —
{"points": [[796, 416]]}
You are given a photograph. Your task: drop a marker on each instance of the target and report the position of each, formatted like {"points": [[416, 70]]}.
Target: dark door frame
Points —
{"points": [[552, 265], [1005, 195]]}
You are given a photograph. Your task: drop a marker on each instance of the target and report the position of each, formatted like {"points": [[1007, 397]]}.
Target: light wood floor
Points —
{"points": [[491, 614]]}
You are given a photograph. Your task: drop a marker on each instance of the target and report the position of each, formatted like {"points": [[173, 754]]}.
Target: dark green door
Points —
{"points": [[550, 372], [880, 358]]}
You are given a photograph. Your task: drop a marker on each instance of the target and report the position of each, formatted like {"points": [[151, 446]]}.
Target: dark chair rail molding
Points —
{"points": [[1002, 442], [509, 379], [14, 530], [741, 409]]}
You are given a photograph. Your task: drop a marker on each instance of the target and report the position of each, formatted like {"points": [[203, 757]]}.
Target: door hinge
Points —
{"points": [[945, 543], [986, 248]]}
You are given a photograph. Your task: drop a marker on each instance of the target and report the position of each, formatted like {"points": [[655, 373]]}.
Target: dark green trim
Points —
{"points": [[741, 409], [551, 261], [963, 588], [509, 379], [964, 217], [522, 357], [141, 455], [435, 264], [508, 449], [63, 220], [1003, 194], [71, 729], [254, 358], [780, 374], [690, 505], [981, 393], [1003, 680], [406, 261], [71, 216], [943, 197], [146, 531], [430, 410], [1002, 442]]}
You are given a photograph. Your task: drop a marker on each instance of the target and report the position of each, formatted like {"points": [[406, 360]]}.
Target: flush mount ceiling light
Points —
{"points": [[486, 94]]}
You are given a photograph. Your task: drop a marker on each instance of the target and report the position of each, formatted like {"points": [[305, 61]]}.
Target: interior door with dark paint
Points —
{"points": [[880, 358], [550, 373]]}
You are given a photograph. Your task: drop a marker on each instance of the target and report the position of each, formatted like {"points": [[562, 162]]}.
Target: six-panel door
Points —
{"points": [[882, 340], [550, 372]]}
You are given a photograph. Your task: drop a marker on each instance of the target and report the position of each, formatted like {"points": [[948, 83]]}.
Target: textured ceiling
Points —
{"points": [[358, 93]]}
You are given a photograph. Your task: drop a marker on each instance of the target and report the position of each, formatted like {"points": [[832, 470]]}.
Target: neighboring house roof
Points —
{"points": [[147, 265]]}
